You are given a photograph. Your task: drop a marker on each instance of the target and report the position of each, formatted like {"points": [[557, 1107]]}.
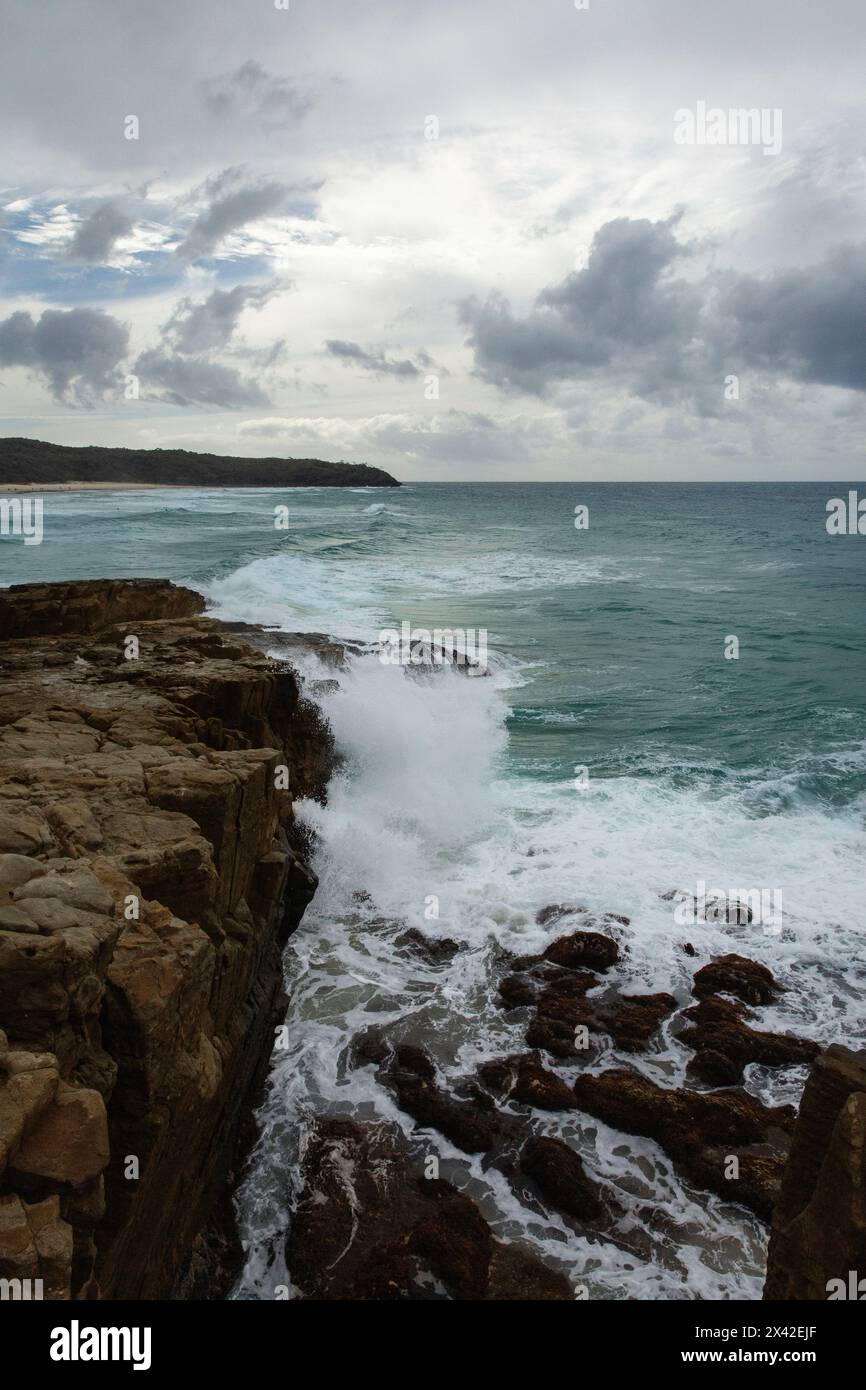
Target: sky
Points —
{"points": [[498, 240]]}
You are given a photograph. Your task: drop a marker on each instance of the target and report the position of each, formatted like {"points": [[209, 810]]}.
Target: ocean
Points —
{"points": [[675, 698]]}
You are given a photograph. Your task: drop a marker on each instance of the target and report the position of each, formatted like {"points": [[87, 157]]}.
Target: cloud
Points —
{"points": [[231, 204], [194, 381], [184, 371], [95, 237], [629, 319], [808, 324], [77, 351], [624, 296], [622, 304], [195, 328], [377, 362], [251, 91], [467, 436]]}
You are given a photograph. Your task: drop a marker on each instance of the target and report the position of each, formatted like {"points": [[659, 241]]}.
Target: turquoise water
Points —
{"points": [[627, 619], [613, 755]]}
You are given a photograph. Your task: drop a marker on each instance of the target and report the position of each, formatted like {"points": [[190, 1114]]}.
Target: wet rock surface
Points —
{"points": [[561, 1178], [703, 1131], [749, 981], [471, 1125], [724, 1044], [371, 1226], [555, 984], [522, 1078], [434, 950], [150, 871]]}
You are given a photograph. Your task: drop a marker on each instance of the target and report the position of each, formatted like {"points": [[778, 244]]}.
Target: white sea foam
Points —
{"points": [[423, 810], [353, 597]]}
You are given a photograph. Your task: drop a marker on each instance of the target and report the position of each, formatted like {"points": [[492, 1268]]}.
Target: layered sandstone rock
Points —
{"points": [[819, 1224], [150, 871]]}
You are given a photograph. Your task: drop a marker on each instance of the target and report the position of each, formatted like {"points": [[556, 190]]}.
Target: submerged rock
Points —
{"points": [[560, 1177], [433, 949], [725, 1140], [369, 1226], [522, 1078], [555, 911], [724, 1044]]}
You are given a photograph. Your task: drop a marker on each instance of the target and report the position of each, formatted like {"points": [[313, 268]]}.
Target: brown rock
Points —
{"points": [[368, 1226], [435, 950], [24, 831], [724, 1044], [151, 964], [518, 1275], [552, 1035], [561, 1178], [37, 610], [25, 1093], [69, 1143], [13, 918], [522, 1078], [470, 1126], [632, 1019], [36, 1248], [819, 1224], [516, 990], [16, 869], [716, 1067], [561, 1007], [583, 949], [749, 981], [702, 1130]]}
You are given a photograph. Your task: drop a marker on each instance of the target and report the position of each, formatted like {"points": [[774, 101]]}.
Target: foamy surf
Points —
{"points": [[425, 812]]}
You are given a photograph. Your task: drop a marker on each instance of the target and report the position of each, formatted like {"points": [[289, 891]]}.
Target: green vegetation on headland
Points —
{"points": [[29, 461]]}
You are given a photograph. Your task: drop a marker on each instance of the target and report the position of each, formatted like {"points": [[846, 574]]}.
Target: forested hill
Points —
{"points": [[32, 461]]}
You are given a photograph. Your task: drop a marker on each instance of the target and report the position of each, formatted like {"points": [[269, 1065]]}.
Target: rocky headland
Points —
{"points": [[25, 462], [150, 873]]}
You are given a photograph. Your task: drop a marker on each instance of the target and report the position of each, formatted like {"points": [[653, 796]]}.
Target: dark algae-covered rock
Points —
{"points": [[370, 1225]]}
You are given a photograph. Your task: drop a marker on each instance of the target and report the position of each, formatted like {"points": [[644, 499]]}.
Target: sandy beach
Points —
{"points": [[83, 487]]}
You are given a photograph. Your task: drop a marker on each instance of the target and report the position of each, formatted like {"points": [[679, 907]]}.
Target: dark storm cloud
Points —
{"points": [[809, 324], [95, 237], [77, 351], [629, 317], [231, 204], [377, 362], [624, 295], [624, 301], [194, 381], [202, 327], [251, 91]]}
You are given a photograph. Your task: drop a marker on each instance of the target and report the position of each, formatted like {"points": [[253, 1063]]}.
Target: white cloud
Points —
{"points": [[315, 170]]}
